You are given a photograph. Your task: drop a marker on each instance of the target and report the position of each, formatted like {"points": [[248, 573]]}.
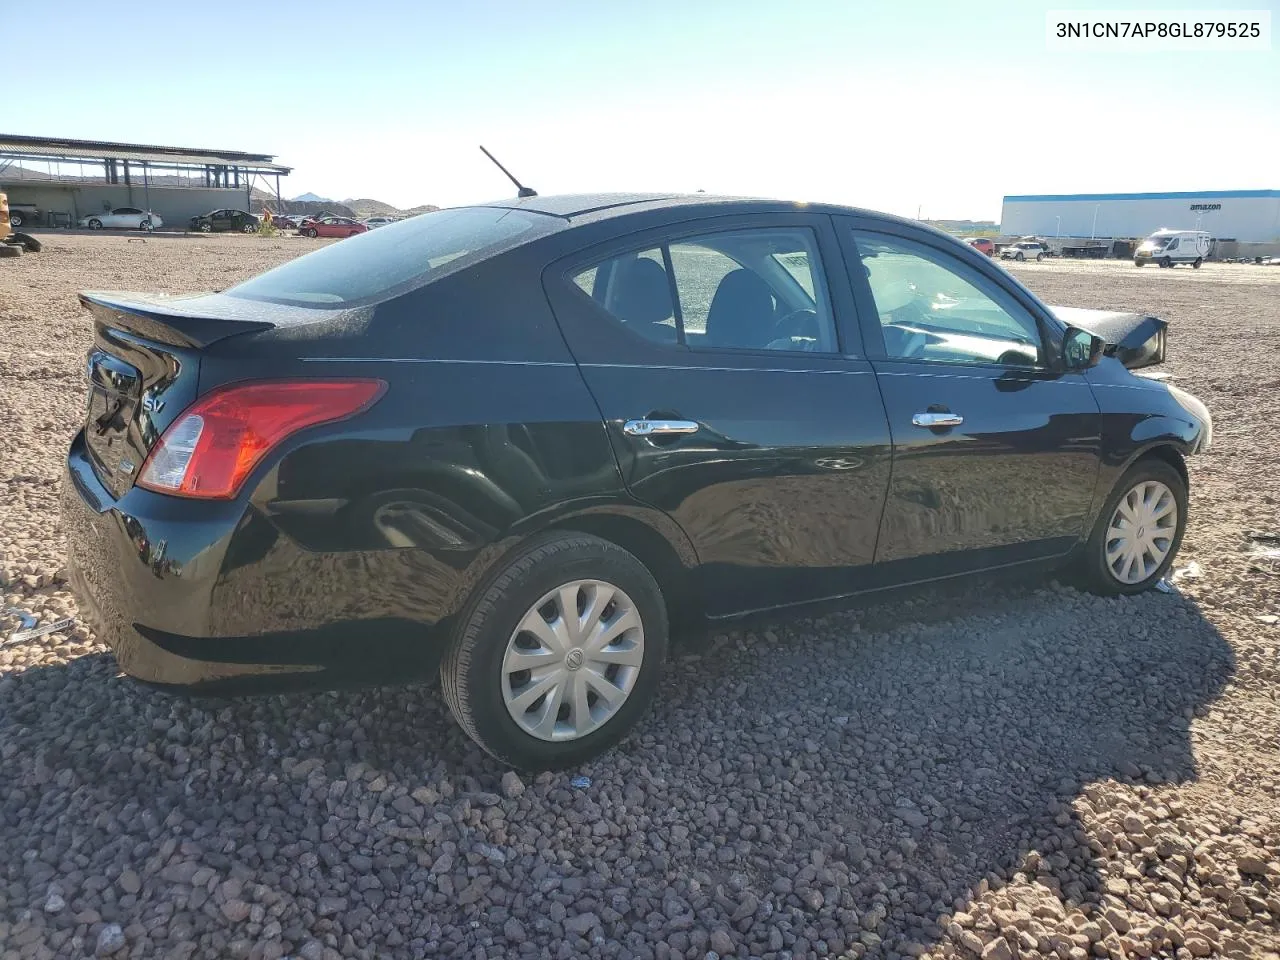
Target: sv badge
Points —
{"points": [[151, 404]]}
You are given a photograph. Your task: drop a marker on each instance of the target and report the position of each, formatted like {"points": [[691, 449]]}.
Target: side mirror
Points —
{"points": [[1081, 349]]}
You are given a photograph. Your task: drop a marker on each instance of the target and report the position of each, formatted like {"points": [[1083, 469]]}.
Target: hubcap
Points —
{"points": [[1141, 531], [573, 660]]}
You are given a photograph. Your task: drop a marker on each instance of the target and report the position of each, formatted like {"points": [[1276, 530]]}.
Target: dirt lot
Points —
{"points": [[1013, 771]]}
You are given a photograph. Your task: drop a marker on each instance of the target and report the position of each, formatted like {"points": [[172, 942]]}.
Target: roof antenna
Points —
{"points": [[523, 191]]}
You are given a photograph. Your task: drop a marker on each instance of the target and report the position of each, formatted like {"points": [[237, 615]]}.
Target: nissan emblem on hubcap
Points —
{"points": [[573, 660]]}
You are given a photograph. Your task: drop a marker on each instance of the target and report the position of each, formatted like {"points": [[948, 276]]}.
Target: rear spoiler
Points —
{"points": [[1135, 339], [199, 319], [184, 321]]}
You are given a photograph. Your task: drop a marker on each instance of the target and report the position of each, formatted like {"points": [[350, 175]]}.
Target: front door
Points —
{"points": [[735, 399], [996, 449]]}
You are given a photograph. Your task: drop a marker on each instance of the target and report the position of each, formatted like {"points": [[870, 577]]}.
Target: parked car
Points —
{"points": [[228, 219], [372, 222], [1168, 248], [24, 214], [982, 245], [122, 218], [333, 227], [1024, 250], [506, 437]]}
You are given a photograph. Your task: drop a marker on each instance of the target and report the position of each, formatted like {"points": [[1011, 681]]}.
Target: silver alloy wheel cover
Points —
{"points": [[583, 663], [1140, 534]]}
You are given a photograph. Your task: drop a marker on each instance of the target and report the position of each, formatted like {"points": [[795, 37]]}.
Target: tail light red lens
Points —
{"points": [[215, 444]]}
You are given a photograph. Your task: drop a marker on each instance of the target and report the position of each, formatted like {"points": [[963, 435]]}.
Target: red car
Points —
{"points": [[982, 244], [333, 227]]}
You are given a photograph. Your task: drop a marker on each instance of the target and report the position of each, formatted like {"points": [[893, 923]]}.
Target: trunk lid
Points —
{"points": [[144, 367], [143, 371]]}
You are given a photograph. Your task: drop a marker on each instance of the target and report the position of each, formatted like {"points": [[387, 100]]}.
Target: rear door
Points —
{"points": [[996, 448], [731, 378]]}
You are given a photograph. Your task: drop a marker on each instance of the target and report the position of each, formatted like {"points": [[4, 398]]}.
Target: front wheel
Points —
{"points": [[206, 227], [249, 228], [95, 224], [1166, 262], [1138, 532], [312, 233], [1018, 256], [1139, 263], [1196, 265], [559, 655]]}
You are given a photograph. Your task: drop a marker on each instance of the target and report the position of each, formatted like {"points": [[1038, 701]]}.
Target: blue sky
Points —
{"points": [[899, 106]]}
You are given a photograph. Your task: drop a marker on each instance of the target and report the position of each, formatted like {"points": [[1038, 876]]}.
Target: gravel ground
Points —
{"points": [[1018, 770]]}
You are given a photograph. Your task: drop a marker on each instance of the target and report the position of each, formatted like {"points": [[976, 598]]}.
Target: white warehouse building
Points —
{"points": [[1248, 216]]}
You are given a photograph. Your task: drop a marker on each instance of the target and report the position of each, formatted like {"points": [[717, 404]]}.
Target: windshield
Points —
{"points": [[1157, 243], [379, 264]]}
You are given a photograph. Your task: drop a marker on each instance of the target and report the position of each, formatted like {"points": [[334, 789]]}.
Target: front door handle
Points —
{"points": [[658, 428], [937, 419]]}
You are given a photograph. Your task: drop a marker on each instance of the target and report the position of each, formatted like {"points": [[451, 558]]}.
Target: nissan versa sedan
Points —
{"points": [[524, 442]]}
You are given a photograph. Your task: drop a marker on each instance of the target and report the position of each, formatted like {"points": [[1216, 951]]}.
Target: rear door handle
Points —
{"points": [[932, 419], [658, 428]]}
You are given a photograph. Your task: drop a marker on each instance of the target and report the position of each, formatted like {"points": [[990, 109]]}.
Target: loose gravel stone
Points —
{"points": [[994, 769]]}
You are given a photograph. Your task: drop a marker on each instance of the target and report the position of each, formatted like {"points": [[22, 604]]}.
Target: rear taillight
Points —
{"points": [[214, 444]]}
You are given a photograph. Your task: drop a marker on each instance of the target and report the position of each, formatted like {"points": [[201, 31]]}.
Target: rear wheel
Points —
{"points": [[145, 225], [249, 228], [9, 250], [1196, 265], [311, 232], [559, 655], [26, 240], [95, 224], [1139, 263], [1019, 256], [1138, 532], [1039, 257]]}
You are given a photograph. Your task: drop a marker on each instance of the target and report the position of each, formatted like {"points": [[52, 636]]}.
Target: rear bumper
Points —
{"points": [[192, 595]]}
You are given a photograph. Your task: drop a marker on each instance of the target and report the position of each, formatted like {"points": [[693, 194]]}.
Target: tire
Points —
{"points": [[1166, 262], [1039, 257], [1139, 263], [1196, 265], [15, 219], [8, 250], [206, 227], [31, 244], [311, 232], [95, 224], [248, 228], [145, 225], [1096, 574], [474, 674], [1019, 257]]}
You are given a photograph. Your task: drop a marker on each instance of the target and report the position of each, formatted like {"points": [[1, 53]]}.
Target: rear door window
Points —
{"points": [[384, 263], [738, 290]]}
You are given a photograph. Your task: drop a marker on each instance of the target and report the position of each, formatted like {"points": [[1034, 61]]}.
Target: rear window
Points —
{"points": [[382, 263]]}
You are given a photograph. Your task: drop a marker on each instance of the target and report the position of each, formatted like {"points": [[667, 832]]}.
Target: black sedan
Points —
{"points": [[217, 221], [525, 442]]}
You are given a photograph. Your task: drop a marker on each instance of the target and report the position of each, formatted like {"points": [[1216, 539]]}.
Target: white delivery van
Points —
{"points": [[1168, 247]]}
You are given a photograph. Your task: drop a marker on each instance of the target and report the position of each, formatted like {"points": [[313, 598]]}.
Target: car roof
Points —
{"points": [[574, 209]]}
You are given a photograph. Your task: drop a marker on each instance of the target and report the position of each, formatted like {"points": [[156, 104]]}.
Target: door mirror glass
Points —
{"points": [[1081, 349]]}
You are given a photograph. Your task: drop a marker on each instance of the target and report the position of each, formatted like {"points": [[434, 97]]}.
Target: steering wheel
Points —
{"points": [[800, 325]]}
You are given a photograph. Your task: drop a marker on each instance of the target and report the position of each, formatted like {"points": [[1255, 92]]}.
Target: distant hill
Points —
{"points": [[376, 208], [310, 198], [970, 228]]}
